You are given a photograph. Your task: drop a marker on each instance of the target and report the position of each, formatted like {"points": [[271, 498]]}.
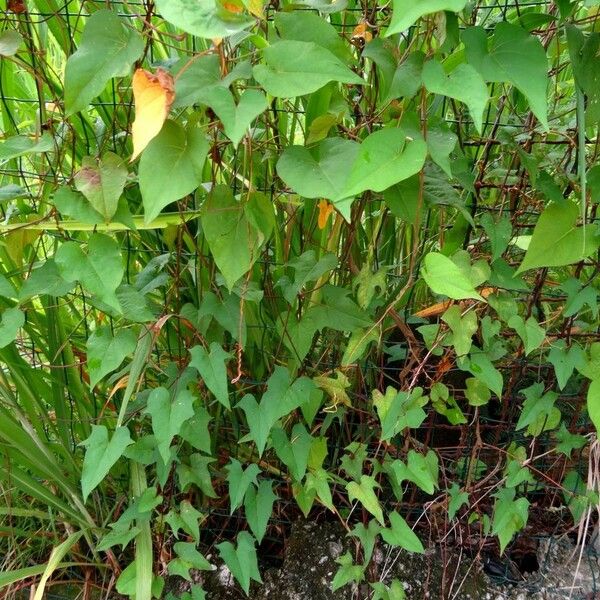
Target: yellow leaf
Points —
{"points": [[325, 209], [153, 96], [255, 7]]}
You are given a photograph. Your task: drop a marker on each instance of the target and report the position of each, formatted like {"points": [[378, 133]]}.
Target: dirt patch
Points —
{"points": [[310, 565]]}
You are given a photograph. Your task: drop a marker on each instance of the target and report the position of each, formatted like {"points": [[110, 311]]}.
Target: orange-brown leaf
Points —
{"points": [[153, 96], [361, 31], [434, 310], [232, 7], [325, 209]]}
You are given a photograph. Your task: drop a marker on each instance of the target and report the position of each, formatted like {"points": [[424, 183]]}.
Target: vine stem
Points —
{"points": [[581, 155]]}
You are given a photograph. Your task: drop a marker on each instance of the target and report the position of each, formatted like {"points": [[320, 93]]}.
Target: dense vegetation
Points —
{"points": [[262, 260]]}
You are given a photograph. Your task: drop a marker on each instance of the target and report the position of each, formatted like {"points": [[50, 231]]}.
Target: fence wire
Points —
{"points": [[487, 433]]}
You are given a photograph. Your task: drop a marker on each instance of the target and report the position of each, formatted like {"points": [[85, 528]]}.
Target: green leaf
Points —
{"points": [[102, 183], [320, 171], [118, 536], [385, 158], [463, 328], [457, 499], [576, 495], [335, 388], [567, 441], [441, 142], [304, 26], [557, 240], [395, 591], [108, 49], [239, 481], [479, 364], [197, 473], [100, 271], [353, 460], [498, 231], [514, 56], [293, 452], [190, 518], [45, 279], [106, 352], [407, 12], [538, 413], [187, 558], [517, 474], [367, 536], [101, 454], [318, 481], [407, 78], [258, 506], [236, 119], [10, 40], [171, 166], [445, 277], [477, 392], [510, 516], [593, 403], [530, 331], [127, 582], [400, 534], [12, 319], [590, 365], [204, 18], [168, 417], [464, 84], [241, 560], [213, 370], [292, 68], [280, 399], [365, 494], [195, 430], [399, 410], [195, 80], [421, 470], [76, 206], [583, 52], [348, 572], [12, 192], [306, 269], [233, 241], [19, 145]]}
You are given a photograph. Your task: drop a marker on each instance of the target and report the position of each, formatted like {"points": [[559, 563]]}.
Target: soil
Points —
{"points": [[312, 549], [558, 572]]}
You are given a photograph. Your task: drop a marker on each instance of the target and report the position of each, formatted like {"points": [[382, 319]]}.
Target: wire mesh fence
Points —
{"points": [[473, 448]]}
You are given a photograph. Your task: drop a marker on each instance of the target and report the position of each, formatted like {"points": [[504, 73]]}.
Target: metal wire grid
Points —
{"points": [[494, 429]]}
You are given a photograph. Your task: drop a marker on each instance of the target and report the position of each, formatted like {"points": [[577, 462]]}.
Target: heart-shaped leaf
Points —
{"points": [[464, 84], [291, 68], [171, 167], [108, 48], [236, 119], [320, 171], [557, 240], [102, 183], [204, 18]]}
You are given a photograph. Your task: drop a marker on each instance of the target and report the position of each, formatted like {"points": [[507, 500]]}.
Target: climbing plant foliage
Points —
{"points": [[254, 254]]}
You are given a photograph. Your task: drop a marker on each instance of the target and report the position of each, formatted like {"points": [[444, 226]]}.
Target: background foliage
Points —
{"points": [[353, 274]]}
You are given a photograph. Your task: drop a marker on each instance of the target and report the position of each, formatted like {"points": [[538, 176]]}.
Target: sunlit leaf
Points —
{"points": [[153, 97]]}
